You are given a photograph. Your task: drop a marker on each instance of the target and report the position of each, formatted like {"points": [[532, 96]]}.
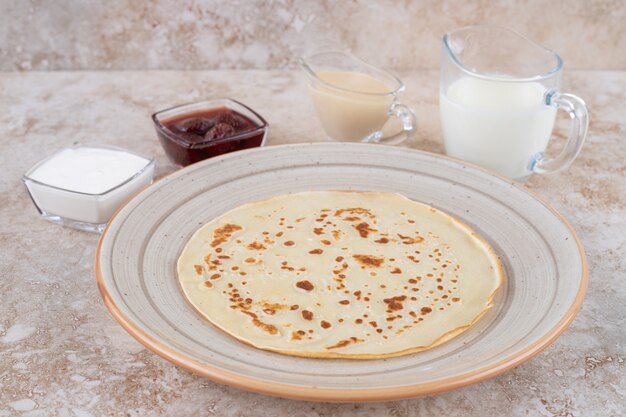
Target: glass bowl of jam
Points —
{"points": [[197, 131]]}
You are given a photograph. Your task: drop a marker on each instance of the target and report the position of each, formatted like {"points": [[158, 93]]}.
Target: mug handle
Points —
{"points": [[577, 111], [409, 126]]}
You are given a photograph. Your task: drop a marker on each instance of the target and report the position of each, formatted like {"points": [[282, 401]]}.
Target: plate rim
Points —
{"points": [[348, 395]]}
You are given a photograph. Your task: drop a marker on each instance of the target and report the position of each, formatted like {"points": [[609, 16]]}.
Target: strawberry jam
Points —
{"points": [[189, 137]]}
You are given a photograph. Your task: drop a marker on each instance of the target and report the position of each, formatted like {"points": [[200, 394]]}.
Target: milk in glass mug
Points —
{"points": [[354, 100], [498, 99]]}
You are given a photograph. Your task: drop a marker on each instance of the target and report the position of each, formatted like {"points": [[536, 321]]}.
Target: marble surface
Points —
{"points": [[262, 34], [62, 354]]}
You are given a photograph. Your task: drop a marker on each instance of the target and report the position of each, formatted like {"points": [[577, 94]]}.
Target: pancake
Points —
{"points": [[339, 274]]}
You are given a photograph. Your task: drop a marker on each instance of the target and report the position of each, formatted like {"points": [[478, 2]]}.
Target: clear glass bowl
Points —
{"points": [[81, 210], [182, 152]]}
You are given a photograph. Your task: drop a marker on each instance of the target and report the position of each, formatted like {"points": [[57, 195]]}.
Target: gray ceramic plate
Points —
{"points": [[543, 260]]}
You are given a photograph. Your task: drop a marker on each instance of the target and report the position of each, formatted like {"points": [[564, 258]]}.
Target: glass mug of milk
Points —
{"points": [[498, 99], [354, 100]]}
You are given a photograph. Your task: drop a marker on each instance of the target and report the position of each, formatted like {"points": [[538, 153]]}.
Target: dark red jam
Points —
{"points": [[192, 137]]}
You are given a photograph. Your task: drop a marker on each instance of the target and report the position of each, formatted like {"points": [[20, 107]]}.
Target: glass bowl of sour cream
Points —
{"points": [[83, 186]]}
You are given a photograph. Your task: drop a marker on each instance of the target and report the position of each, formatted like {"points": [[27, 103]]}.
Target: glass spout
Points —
{"points": [[510, 57], [344, 61]]}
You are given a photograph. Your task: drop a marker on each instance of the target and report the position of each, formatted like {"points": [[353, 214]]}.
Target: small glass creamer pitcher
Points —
{"points": [[354, 100], [498, 99]]}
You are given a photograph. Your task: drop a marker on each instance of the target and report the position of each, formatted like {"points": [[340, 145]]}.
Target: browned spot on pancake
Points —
{"points": [[344, 343], [326, 242], [352, 219], [268, 328], [269, 311], [373, 324], [289, 243], [339, 258], [358, 321], [355, 211], [318, 231], [456, 299], [396, 270], [297, 335], [382, 240], [344, 302], [316, 251], [395, 303], [222, 234], [294, 307], [369, 260], [411, 221], [216, 276], [305, 285], [357, 294], [364, 229], [198, 269], [325, 324], [250, 260], [425, 310], [307, 315], [209, 263], [412, 314], [256, 246], [336, 234], [344, 266], [272, 306], [413, 259], [249, 313], [407, 240], [207, 284]]}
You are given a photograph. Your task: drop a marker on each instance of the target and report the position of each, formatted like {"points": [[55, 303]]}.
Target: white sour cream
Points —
{"points": [[87, 184]]}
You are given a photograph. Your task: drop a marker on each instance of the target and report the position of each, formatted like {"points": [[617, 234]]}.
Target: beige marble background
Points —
{"points": [[255, 34]]}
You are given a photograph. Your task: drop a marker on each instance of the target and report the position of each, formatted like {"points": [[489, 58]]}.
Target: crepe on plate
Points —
{"points": [[336, 274]]}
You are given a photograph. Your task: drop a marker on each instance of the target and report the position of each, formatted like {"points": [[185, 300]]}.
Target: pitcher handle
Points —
{"points": [[577, 111], [409, 126]]}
